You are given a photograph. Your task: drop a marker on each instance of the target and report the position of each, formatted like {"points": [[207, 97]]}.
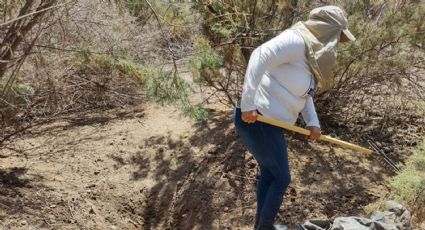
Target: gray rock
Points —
{"points": [[395, 217], [395, 207]]}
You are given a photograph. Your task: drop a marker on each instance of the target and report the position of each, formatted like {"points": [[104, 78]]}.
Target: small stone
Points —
{"points": [[91, 186], [395, 207]]}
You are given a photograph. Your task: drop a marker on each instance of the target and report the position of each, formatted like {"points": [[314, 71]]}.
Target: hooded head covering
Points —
{"points": [[321, 33]]}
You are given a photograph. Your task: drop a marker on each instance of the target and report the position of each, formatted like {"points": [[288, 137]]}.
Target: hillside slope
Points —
{"points": [[150, 168]]}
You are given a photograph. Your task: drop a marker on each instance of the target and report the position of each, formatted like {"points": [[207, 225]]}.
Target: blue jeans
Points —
{"points": [[267, 144]]}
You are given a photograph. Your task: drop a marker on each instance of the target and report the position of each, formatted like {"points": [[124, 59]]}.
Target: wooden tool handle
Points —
{"points": [[307, 133]]}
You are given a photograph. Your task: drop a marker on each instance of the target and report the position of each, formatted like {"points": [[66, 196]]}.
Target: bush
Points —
{"points": [[174, 17], [378, 79], [80, 60], [165, 87], [89, 62], [205, 62], [161, 86], [408, 186], [197, 111]]}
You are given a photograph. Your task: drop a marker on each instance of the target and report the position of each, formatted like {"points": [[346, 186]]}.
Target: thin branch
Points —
{"points": [[33, 13], [165, 37], [71, 50]]}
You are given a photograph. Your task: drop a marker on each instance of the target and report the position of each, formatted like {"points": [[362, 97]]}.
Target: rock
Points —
{"points": [[395, 217], [395, 207], [385, 217], [406, 221], [91, 186]]}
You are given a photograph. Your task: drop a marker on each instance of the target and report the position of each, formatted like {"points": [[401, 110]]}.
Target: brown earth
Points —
{"points": [[150, 168]]}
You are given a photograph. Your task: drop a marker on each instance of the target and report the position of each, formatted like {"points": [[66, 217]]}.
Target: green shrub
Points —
{"points": [[197, 112], [175, 18], [139, 9], [161, 86], [133, 70], [90, 62], [165, 87], [408, 186], [204, 62], [377, 76]]}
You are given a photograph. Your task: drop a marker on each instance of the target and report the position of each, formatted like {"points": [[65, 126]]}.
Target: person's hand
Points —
{"points": [[249, 116], [315, 132]]}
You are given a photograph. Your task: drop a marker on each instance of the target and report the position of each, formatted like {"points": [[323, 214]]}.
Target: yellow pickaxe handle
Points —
{"points": [[307, 133]]}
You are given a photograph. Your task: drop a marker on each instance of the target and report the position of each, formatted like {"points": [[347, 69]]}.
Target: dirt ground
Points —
{"points": [[151, 168]]}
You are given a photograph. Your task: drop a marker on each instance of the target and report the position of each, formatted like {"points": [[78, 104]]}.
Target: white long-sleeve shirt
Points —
{"points": [[277, 80]]}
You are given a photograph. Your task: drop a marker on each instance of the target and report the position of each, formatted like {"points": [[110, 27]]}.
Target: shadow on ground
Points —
{"points": [[214, 178], [22, 195], [202, 180], [69, 121], [195, 174]]}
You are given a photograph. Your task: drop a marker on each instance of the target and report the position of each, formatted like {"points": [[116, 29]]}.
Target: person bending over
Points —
{"points": [[280, 81]]}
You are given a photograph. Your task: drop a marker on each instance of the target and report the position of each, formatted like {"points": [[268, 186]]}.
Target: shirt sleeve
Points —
{"points": [[309, 113], [281, 49]]}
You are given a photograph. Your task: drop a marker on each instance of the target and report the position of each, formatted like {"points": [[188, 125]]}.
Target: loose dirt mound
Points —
{"points": [[152, 169]]}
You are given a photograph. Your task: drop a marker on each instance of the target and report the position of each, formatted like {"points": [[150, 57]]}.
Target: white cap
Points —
{"points": [[334, 16]]}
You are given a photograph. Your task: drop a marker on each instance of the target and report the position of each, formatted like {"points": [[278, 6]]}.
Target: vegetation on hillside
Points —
{"points": [[408, 186], [60, 57], [379, 84]]}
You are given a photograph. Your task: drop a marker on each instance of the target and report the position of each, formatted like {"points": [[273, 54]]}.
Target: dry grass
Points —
{"points": [[409, 185], [91, 55]]}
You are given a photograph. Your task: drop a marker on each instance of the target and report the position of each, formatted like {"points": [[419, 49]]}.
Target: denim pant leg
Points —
{"points": [[275, 161], [248, 134], [267, 144], [263, 184]]}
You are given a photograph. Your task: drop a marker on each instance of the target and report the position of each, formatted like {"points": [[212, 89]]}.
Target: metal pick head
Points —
{"points": [[383, 157]]}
